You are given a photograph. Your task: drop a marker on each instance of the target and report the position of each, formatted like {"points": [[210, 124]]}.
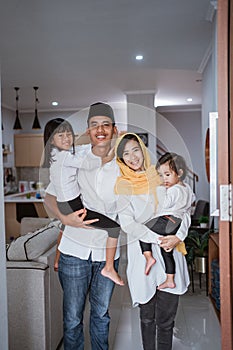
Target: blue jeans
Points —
{"points": [[78, 278], [157, 321]]}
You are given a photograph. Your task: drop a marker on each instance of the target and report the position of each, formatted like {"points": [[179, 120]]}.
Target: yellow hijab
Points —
{"points": [[131, 182]]}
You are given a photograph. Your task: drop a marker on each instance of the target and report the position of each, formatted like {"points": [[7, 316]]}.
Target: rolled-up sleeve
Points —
{"points": [[184, 226], [51, 190]]}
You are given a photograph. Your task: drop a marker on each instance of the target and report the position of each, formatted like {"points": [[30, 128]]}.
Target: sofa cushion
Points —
{"points": [[33, 244]]}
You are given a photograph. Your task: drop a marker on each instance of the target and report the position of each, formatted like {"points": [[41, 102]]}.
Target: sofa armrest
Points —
{"points": [[28, 305], [56, 296], [34, 303], [26, 265]]}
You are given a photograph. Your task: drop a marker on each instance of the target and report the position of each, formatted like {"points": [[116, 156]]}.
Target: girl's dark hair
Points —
{"points": [[53, 127], [176, 163], [122, 143]]}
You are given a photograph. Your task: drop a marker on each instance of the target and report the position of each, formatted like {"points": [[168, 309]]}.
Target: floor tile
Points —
{"points": [[196, 325]]}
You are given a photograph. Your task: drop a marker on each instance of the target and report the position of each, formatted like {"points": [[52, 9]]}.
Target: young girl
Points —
{"points": [[64, 159], [175, 199]]}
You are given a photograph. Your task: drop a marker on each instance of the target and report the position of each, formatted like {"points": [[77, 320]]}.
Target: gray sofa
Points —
{"points": [[34, 291]]}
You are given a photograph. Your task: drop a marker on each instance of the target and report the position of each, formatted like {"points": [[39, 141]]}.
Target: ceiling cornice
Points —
{"points": [[50, 110], [211, 11], [178, 109], [205, 59], [139, 92], [47, 110], [3, 105]]}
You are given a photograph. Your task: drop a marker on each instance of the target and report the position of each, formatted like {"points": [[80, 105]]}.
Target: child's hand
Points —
{"points": [[109, 156]]}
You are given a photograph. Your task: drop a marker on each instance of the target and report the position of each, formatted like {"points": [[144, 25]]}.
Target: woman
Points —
{"points": [[137, 202]]}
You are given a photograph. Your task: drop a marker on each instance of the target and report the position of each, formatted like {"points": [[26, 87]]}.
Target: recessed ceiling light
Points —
{"points": [[54, 103], [189, 99], [139, 57]]}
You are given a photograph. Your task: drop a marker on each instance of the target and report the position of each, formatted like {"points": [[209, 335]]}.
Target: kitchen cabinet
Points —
{"points": [[28, 150]]}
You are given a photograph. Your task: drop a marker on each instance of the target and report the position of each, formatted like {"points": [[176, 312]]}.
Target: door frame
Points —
{"points": [[225, 173]]}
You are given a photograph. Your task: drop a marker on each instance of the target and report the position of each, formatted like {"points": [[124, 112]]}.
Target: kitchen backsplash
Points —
{"points": [[33, 174]]}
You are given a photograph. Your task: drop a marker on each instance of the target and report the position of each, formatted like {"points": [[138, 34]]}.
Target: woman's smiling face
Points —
{"points": [[133, 156]]}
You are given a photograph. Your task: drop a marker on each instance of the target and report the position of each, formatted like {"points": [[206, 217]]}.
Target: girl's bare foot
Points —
{"points": [[149, 263], [113, 275], [166, 284]]}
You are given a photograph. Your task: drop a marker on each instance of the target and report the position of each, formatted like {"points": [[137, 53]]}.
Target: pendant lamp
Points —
{"points": [[36, 123], [17, 124]]}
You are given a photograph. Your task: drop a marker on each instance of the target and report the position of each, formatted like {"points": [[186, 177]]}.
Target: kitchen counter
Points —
{"points": [[22, 198]]}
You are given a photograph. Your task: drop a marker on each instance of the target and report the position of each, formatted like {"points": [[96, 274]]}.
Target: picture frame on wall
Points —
{"points": [[144, 137]]}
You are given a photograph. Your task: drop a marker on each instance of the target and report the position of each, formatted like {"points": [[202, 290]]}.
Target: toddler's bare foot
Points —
{"points": [[166, 284], [149, 263], [113, 275]]}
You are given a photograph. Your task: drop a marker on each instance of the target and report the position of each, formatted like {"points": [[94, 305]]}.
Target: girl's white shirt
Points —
{"points": [[177, 201], [133, 212], [97, 190], [64, 170]]}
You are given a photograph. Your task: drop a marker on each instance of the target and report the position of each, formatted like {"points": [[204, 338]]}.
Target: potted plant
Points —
{"points": [[203, 221], [197, 248]]}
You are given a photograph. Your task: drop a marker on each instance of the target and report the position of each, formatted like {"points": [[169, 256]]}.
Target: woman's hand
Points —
{"points": [[76, 219], [169, 242]]}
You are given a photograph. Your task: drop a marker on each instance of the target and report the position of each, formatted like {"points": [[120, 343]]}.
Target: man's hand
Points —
{"points": [[76, 219], [169, 242]]}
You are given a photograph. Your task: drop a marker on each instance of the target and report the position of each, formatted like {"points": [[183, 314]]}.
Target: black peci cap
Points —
{"points": [[101, 109]]}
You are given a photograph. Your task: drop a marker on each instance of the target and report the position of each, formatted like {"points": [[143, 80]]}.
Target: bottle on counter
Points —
{"points": [[23, 186]]}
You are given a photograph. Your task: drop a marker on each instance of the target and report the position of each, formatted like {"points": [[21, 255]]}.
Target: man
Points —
{"points": [[82, 249]]}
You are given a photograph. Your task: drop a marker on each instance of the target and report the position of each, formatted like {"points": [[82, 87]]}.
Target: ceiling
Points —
{"points": [[79, 52]]}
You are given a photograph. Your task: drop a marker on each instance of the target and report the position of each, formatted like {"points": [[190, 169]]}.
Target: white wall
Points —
{"points": [[210, 103], [3, 290], [8, 118], [209, 84], [141, 117], [182, 134], [192, 126]]}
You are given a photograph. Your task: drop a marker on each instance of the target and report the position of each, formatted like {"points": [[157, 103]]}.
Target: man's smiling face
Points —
{"points": [[101, 130]]}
